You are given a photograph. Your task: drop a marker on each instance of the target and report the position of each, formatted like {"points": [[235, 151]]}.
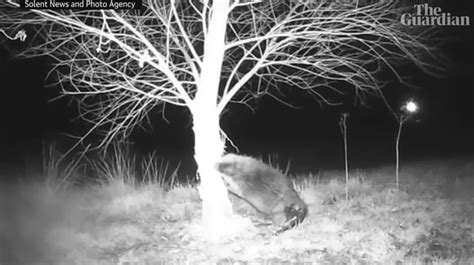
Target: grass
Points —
{"points": [[429, 220]]}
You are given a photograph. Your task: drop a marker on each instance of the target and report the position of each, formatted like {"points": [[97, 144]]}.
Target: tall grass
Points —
{"points": [[117, 164], [120, 165], [62, 172], [274, 161], [156, 170], [59, 171]]}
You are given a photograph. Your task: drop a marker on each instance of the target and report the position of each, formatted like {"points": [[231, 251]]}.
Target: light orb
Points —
{"points": [[410, 107]]}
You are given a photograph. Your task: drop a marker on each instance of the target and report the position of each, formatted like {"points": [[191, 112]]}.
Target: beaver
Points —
{"points": [[265, 188]]}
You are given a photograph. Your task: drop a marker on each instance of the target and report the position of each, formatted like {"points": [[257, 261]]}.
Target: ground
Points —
{"points": [[429, 220]]}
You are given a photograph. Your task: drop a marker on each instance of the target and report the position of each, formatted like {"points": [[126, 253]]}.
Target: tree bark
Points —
{"points": [[216, 208], [208, 145]]}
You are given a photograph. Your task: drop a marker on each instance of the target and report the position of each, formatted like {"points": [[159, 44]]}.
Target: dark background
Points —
{"points": [[308, 136]]}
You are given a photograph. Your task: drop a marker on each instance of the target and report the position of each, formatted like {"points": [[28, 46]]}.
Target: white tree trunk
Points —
{"points": [[216, 208]]}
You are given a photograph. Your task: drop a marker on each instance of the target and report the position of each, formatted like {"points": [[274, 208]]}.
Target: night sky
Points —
{"points": [[309, 136]]}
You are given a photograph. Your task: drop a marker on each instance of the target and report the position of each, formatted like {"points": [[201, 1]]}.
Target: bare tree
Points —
{"points": [[202, 54]]}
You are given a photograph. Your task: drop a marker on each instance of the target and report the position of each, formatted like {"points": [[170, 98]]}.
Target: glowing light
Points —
{"points": [[411, 107]]}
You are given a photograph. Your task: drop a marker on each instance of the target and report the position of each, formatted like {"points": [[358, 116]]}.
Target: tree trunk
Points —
{"points": [[216, 207], [209, 147]]}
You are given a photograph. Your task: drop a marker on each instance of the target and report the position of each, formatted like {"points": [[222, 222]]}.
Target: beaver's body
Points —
{"points": [[265, 188]]}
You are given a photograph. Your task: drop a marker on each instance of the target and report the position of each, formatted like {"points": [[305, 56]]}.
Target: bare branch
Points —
{"points": [[20, 35], [315, 45], [119, 65]]}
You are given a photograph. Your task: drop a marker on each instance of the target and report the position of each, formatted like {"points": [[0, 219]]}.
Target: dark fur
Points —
{"points": [[265, 188]]}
